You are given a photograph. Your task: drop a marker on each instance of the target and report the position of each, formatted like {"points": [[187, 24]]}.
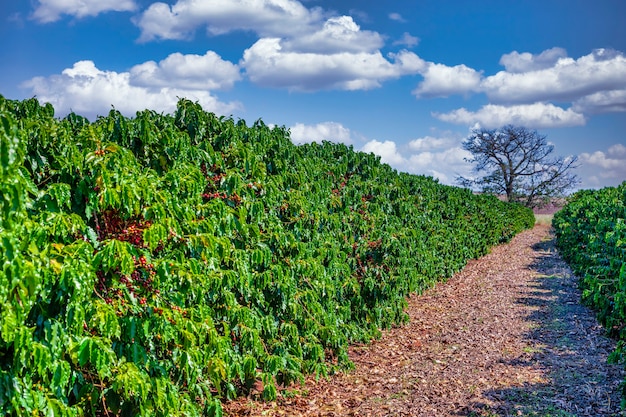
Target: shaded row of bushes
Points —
{"points": [[591, 237]]}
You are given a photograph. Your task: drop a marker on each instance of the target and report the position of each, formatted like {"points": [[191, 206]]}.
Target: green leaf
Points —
{"points": [[8, 323], [115, 254]]}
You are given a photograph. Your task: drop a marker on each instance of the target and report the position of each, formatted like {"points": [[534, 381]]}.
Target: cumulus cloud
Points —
{"points": [[89, 91], [268, 64], [537, 115], [444, 164], [338, 34], [618, 151], [525, 62], [407, 40], [387, 150], [566, 79], [605, 167], [442, 81], [202, 72], [594, 81], [429, 143], [298, 49], [527, 91], [264, 17], [397, 17], [330, 131], [308, 49], [602, 102], [439, 157], [613, 159], [51, 10]]}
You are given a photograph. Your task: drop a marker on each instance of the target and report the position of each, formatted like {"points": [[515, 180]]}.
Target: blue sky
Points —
{"points": [[405, 80]]}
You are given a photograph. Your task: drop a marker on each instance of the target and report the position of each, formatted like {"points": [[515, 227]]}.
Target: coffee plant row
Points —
{"points": [[591, 236], [162, 264]]}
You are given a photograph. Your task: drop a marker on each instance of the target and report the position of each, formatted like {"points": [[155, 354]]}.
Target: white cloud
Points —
{"points": [[526, 92], [330, 131], [565, 80], [304, 49], [613, 159], [264, 17], [410, 62], [201, 72], [442, 158], [604, 167], [268, 64], [537, 115], [602, 102], [445, 164], [429, 143], [397, 17], [618, 151], [387, 150], [89, 91], [51, 10], [339, 34], [442, 81], [526, 62], [407, 40], [298, 49]]}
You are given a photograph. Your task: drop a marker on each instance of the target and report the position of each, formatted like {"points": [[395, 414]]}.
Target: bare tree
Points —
{"points": [[518, 163]]}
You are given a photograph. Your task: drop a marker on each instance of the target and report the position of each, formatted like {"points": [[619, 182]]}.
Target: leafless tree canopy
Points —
{"points": [[518, 162]]}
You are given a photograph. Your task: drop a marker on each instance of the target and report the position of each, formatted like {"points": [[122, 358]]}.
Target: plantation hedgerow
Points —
{"points": [[591, 236], [162, 264]]}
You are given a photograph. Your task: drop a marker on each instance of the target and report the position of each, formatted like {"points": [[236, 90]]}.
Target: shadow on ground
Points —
{"points": [[567, 344]]}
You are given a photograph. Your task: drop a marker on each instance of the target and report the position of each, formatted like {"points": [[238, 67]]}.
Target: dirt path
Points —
{"points": [[504, 337]]}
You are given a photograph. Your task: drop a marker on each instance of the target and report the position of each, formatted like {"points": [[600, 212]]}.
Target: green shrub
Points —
{"points": [[160, 264], [591, 236]]}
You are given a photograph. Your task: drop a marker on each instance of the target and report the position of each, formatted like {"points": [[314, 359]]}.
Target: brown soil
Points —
{"points": [[506, 336]]}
